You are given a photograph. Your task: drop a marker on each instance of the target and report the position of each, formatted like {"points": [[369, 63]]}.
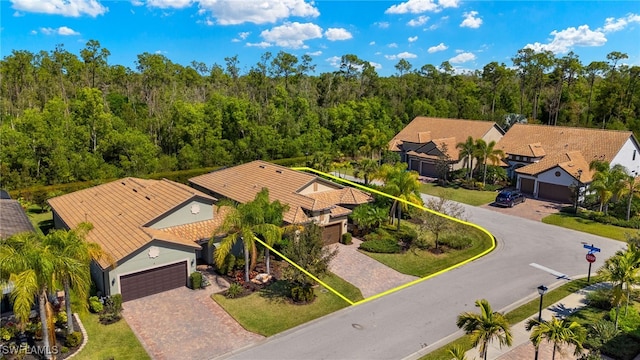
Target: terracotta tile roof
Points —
{"points": [[13, 219], [241, 183], [556, 145], [438, 128], [119, 211], [346, 196]]}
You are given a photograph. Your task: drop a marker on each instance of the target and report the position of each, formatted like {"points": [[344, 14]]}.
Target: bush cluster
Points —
{"points": [[383, 245], [196, 280], [302, 293], [74, 339], [597, 216], [346, 239], [234, 291], [95, 305], [456, 240]]}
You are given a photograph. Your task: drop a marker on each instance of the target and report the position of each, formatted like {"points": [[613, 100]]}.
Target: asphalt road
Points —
{"points": [[421, 318]]}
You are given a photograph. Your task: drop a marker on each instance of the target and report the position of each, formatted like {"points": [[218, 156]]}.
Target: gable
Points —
{"points": [[318, 185], [194, 210]]}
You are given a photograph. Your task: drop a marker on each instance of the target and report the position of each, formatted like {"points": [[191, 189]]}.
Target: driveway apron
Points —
{"points": [[185, 324], [365, 273]]}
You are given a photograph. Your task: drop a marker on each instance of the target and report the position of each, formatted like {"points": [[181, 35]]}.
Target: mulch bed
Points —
{"points": [[37, 344]]}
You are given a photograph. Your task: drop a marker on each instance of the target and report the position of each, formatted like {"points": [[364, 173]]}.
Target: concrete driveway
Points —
{"points": [[532, 209], [185, 324]]}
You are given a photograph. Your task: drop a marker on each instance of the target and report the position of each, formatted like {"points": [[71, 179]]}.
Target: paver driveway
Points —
{"points": [[532, 209], [185, 324]]}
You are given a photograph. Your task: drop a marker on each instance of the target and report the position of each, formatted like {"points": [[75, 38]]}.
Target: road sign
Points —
{"points": [[591, 258], [592, 249]]}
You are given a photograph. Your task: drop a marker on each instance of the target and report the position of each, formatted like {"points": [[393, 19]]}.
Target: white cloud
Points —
{"points": [[292, 35], [612, 24], [419, 21], [470, 20], [244, 35], [433, 27], [566, 39], [166, 4], [334, 61], [63, 30], [334, 34], [375, 65], [462, 58], [235, 40], [393, 45], [412, 38], [372, 43], [160, 52], [233, 12], [382, 25], [72, 8], [34, 32], [449, 3], [402, 55], [315, 53], [137, 2], [262, 44], [413, 7], [439, 47]]}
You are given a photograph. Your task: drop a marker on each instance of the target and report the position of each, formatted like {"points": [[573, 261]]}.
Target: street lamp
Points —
{"points": [[541, 290]]}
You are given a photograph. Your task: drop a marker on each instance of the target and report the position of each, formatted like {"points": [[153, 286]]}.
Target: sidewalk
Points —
{"points": [[522, 348]]}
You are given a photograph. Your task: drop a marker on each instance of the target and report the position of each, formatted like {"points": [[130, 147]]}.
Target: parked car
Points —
{"points": [[509, 198]]}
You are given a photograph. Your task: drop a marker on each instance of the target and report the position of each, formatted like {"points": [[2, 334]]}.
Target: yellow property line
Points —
{"points": [[368, 189]]}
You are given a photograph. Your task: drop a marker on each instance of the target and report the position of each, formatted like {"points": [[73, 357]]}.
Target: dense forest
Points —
{"points": [[67, 118]]}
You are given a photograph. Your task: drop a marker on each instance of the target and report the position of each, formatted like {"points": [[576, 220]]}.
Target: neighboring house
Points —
{"points": [[13, 220], [424, 140], [154, 230], [310, 198], [548, 161]]}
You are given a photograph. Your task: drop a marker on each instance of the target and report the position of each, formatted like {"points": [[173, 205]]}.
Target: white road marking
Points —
{"points": [[557, 274]]}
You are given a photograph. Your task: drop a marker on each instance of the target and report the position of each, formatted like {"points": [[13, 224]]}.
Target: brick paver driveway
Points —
{"points": [[532, 209], [185, 324]]}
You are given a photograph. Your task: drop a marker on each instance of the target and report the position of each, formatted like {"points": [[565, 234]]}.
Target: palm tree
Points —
{"points": [[365, 168], [632, 185], [29, 266], [403, 185], [270, 231], [75, 274], [485, 327], [457, 353], [244, 222], [559, 332], [608, 182], [621, 270], [488, 154], [467, 150]]}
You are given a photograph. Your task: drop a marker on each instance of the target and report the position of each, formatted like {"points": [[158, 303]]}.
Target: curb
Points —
{"points": [[85, 337]]}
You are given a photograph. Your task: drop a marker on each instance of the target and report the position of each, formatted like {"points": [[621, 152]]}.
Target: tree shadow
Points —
{"points": [[561, 311], [277, 291], [46, 226]]}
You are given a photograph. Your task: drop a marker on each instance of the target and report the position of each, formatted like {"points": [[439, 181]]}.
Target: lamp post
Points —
{"points": [[541, 290]]}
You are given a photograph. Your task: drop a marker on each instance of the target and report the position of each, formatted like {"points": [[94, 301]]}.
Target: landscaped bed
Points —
{"points": [[589, 226], [270, 311], [113, 341]]}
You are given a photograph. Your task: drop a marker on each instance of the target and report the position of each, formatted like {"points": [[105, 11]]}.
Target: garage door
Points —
{"points": [[153, 281], [415, 164], [429, 170], [331, 234], [554, 192], [527, 186]]}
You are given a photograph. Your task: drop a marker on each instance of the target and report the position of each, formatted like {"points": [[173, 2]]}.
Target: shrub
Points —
{"points": [[196, 280], [74, 339], [6, 334], [64, 350], [61, 318], [229, 264], [600, 299], [302, 293], [629, 322], [116, 303], [95, 305], [234, 291], [456, 241], [386, 246], [346, 239], [407, 234], [109, 318]]}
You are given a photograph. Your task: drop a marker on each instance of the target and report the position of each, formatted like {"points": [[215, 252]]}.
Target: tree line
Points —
{"points": [[66, 117]]}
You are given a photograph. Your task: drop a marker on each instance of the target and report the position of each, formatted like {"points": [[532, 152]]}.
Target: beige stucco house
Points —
{"points": [[424, 140]]}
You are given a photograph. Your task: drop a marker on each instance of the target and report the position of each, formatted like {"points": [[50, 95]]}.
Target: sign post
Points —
{"points": [[591, 258]]}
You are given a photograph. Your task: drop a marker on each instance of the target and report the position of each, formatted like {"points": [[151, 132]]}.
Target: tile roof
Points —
{"points": [[119, 211], [241, 183], [569, 148], [346, 196], [13, 219], [438, 128]]}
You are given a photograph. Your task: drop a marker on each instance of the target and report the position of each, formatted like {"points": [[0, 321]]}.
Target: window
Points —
{"points": [[634, 155], [524, 158], [557, 174], [517, 157]]}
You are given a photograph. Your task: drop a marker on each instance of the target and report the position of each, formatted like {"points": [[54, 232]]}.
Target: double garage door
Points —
{"points": [[555, 192], [153, 281], [428, 169]]}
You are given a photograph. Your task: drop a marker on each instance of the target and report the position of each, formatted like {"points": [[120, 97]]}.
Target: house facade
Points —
{"points": [[426, 140], [548, 162], [153, 230], [310, 198]]}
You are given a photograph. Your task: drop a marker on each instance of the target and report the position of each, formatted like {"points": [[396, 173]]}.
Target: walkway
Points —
{"points": [[365, 273], [522, 349]]}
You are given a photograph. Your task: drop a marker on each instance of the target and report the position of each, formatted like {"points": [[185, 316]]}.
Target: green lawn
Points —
{"points": [[421, 263], [268, 313], [42, 220], [466, 196], [589, 226], [115, 341], [517, 315]]}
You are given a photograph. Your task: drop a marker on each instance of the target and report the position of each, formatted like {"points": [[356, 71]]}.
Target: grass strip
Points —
{"points": [[589, 226]]}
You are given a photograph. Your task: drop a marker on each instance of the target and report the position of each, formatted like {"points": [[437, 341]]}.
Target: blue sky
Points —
{"points": [[469, 34]]}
